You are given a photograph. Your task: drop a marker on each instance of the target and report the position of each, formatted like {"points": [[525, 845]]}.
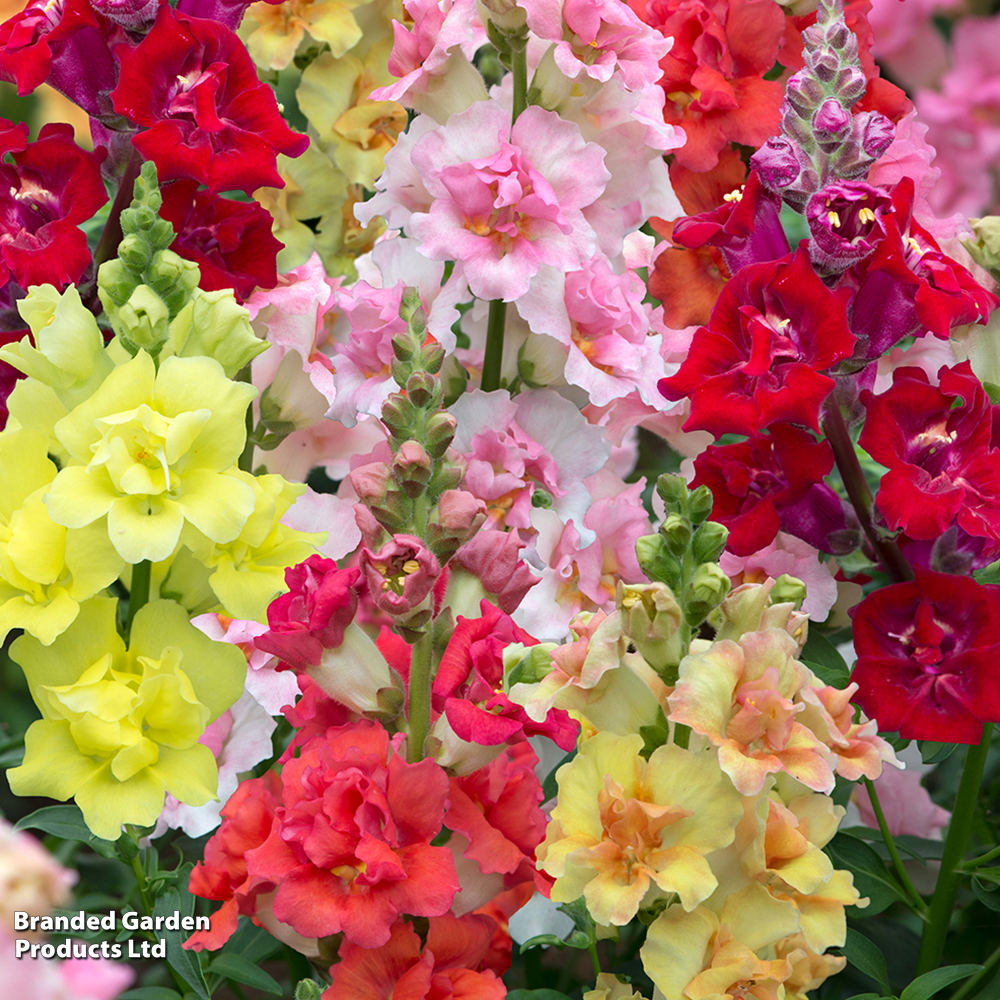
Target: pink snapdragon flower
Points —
{"points": [[295, 317], [518, 447], [503, 207], [432, 59], [596, 38]]}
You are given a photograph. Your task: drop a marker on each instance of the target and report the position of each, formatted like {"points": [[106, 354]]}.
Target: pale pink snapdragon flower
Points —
{"points": [[582, 573], [295, 318], [503, 201], [518, 449], [907, 43], [432, 59], [598, 38]]}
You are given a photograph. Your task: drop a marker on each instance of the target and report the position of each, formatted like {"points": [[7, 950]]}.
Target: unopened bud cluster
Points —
{"points": [[684, 553], [147, 286], [821, 140], [418, 491]]}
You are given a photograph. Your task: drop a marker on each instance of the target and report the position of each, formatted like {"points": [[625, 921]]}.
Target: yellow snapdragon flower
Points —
{"points": [[120, 727], [150, 450]]}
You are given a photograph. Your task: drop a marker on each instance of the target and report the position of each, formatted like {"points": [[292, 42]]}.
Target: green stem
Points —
{"points": [[981, 860], [972, 984], [959, 831], [897, 861], [107, 246], [421, 665], [594, 957], [519, 70], [493, 358], [860, 495], [139, 594], [245, 463]]}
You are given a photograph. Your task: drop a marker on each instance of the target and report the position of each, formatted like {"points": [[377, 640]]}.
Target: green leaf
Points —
{"points": [[241, 970], [986, 894], [869, 996], [866, 957], [184, 962], [550, 787], [934, 753], [988, 574], [536, 995], [252, 942], [66, 822], [577, 939], [822, 657], [151, 993], [917, 848], [987, 874], [930, 983], [871, 878]]}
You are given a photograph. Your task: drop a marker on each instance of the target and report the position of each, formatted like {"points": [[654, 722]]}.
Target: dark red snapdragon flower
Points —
{"points": [[745, 227], [775, 328], [66, 44], [771, 483], [929, 657], [53, 186], [935, 443], [193, 85], [908, 285], [845, 220], [229, 240]]}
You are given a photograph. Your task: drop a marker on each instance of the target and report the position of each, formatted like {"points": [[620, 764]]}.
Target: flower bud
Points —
{"points": [[788, 589], [432, 357], [526, 664], [413, 468], [776, 162], [709, 541], [143, 321], [877, 133], [371, 482], [424, 390], [651, 618], [398, 414], [700, 504], [673, 492], [705, 592], [831, 118], [439, 432], [656, 561], [676, 530]]}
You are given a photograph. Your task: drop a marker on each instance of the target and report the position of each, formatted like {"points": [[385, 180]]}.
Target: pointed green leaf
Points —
{"points": [[871, 878], [241, 970], [866, 957], [931, 983], [66, 822]]}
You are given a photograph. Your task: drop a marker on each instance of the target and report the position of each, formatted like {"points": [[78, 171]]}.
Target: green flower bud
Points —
{"points": [[788, 589], [424, 390], [651, 618], [709, 541], [309, 989], [705, 592], [399, 414], [526, 664], [439, 432], [656, 561], [432, 357], [700, 504], [676, 530], [142, 322], [986, 249], [674, 492], [540, 498]]}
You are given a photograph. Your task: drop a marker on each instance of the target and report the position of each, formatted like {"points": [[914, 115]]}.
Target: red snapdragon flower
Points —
{"points": [[193, 84], [229, 240], [53, 186], [929, 657], [935, 442], [321, 602], [448, 965], [468, 686], [771, 483], [775, 327], [350, 849], [713, 75]]}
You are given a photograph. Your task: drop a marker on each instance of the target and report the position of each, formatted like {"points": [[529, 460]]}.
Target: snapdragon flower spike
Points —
{"points": [[194, 87], [821, 141]]}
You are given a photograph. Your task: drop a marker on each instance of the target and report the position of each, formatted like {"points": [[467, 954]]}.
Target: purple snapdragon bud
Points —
{"points": [[845, 220], [777, 163], [832, 119], [877, 133]]}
